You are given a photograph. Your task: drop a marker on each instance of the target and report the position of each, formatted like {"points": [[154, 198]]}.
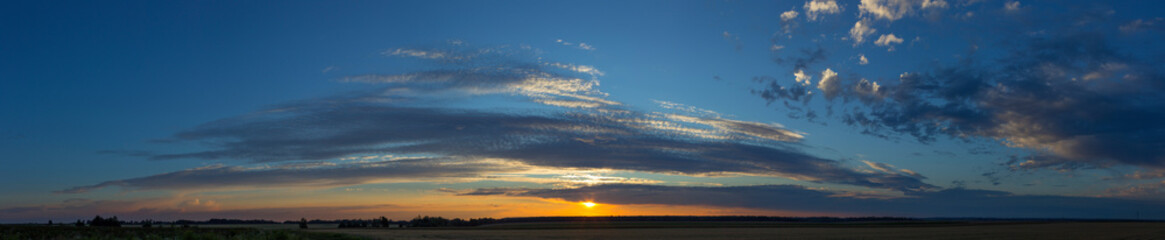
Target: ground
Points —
{"points": [[1067, 230]]}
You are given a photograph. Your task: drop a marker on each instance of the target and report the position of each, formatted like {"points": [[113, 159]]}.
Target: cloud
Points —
{"points": [[802, 78], [177, 207], [1011, 6], [868, 91], [581, 45], [934, 4], [815, 8], [1147, 191], [956, 202], [575, 127], [886, 9], [829, 84], [862, 60], [788, 15], [1142, 24], [1071, 100], [323, 174], [887, 40], [860, 30], [893, 10]]}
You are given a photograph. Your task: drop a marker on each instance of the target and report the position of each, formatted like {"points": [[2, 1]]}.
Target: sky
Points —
{"points": [[279, 110]]}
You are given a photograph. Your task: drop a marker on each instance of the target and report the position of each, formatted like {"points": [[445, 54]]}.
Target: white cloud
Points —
{"points": [[815, 8], [860, 30], [776, 47], [886, 9], [585, 46], [802, 78], [690, 110], [568, 103], [577, 68], [829, 83], [934, 4], [789, 15], [1011, 6], [580, 45], [896, 9], [862, 59], [887, 39]]}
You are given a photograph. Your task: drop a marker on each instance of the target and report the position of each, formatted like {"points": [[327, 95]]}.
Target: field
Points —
{"points": [[679, 231], [622, 230], [22, 232]]}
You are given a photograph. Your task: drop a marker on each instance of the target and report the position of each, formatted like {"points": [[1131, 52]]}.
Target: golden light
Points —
{"points": [[589, 204]]}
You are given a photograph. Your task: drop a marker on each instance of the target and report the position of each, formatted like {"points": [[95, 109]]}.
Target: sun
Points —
{"points": [[589, 204]]}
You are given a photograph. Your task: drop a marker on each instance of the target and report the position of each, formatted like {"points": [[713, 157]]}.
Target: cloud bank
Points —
{"points": [[955, 202], [577, 128]]}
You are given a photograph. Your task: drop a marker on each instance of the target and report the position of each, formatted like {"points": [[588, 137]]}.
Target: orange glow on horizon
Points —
{"points": [[589, 204]]}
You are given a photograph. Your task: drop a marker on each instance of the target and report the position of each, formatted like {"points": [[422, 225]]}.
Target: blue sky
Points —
{"points": [[171, 110]]}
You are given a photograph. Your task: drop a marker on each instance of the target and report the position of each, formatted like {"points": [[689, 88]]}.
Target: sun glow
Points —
{"points": [[589, 204]]}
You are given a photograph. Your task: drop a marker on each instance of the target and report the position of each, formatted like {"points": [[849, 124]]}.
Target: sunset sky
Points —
{"points": [[279, 110]]}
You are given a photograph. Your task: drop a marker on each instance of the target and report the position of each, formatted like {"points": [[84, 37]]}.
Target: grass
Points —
{"points": [[25, 232]]}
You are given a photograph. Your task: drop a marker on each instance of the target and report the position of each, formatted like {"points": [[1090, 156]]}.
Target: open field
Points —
{"points": [[23, 232], [624, 230], [1062, 230]]}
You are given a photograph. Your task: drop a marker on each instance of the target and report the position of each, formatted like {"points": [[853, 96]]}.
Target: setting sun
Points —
{"points": [[589, 204]]}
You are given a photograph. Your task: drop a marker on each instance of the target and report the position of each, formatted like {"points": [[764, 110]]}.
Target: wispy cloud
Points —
{"points": [[946, 203], [582, 130], [319, 175], [580, 45]]}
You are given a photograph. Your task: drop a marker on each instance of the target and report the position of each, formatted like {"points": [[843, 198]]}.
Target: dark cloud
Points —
{"points": [[957, 202], [1073, 99], [322, 174], [804, 59], [567, 140], [1155, 24], [400, 119], [175, 208]]}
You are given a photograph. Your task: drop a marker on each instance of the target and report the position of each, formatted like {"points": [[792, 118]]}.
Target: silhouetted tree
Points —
{"points": [[105, 222], [384, 221], [303, 223], [79, 223]]}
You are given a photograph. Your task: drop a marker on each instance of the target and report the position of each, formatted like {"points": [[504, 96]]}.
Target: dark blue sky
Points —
{"points": [[221, 109]]}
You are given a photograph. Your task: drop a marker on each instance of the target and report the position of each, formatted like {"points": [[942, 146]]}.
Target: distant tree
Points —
{"points": [[303, 223], [458, 222], [50, 222], [147, 223], [79, 223], [105, 222], [384, 221]]}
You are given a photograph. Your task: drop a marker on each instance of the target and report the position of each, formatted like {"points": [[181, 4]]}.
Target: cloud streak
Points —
{"points": [[322, 174], [956, 202], [581, 130]]}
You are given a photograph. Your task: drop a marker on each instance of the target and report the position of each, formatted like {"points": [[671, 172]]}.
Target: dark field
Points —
{"points": [[676, 231], [22, 232], [630, 230]]}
